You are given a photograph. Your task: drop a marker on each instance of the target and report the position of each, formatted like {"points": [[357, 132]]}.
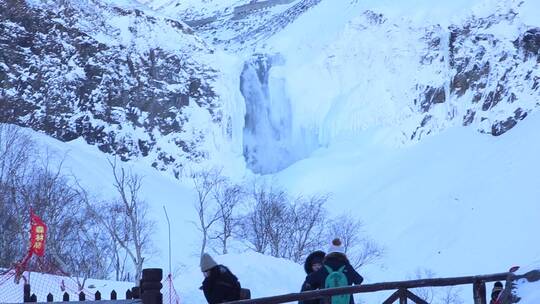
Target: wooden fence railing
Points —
{"points": [[150, 290], [402, 292]]}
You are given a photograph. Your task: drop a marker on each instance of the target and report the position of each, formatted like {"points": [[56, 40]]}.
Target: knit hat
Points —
{"points": [[207, 262], [336, 246]]}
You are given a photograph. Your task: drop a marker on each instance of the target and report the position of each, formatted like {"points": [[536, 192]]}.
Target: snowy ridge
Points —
{"points": [[373, 68], [132, 83]]}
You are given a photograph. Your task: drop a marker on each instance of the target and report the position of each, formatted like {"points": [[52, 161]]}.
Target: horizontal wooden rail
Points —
{"points": [[324, 293]]}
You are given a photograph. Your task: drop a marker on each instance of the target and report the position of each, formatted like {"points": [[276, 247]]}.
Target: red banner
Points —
{"points": [[38, 235]]}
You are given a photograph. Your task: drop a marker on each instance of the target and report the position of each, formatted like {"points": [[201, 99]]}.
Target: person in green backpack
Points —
{"points": [[336, 272]]}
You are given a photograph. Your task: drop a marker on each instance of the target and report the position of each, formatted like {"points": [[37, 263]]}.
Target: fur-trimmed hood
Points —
{"points": [[315, 256]]}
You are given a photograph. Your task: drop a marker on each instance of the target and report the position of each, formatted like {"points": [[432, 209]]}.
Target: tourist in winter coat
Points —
{"points": [[313, 263], [497, 288], [219, 284], [338, 266]]}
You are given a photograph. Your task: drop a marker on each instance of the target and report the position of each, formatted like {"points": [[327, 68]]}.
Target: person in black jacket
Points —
{"points": [[335, 259], [313, 263], [220, 284], [497, 289]]}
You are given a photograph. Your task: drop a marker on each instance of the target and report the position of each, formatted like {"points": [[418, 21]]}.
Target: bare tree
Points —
{"points": [[277, 220], [368, 252], [283, 227], [16, 149], [16, 152], [360, 249], [264, 226], [113, 217], [448, 295], [134, 211], [227, 197], [77, 244], [451, 296], [307, 226], [126, 221], [205, 184], [347, 228], [71, 234], [426, 293]]}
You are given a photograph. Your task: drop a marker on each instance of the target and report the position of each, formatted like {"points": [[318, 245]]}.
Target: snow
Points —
{"points": [[201, 8], [528, 292], [263, 275], [442, 204], [445, 204], [43, 284], [456, 203], [529, 12], [363, 71]]}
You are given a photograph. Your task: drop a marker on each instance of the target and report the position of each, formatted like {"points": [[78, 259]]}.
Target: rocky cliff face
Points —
{"points": [[140, 85], [122, 80], [494, 80]]}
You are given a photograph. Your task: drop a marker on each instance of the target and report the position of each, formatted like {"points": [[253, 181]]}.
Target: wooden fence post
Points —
{"points": [[392, 298], [33, 298], [97, 296], [113, 295], [65, 298], [50, 297], [136, 292], [26, 293], [479, 292], [402, 296], [151, 286], [82, 297]]}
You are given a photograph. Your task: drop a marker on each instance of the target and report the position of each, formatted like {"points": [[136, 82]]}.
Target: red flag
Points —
{"points": [[38, 235]]}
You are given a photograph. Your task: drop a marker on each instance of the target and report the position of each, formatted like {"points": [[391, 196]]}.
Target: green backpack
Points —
{"points": [[337, 279]]}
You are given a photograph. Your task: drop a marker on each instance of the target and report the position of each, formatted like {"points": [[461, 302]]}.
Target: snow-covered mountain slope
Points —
{"points": [[318, 70], [236, 24], [373, 67], [193, 9], [459, 203], [412, 68], [131, 82], [264, 275]]}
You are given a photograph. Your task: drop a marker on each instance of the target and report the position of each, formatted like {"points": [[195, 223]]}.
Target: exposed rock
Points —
{"points": [[500, 127], [59, 79], [531, 41], [432, 96]]}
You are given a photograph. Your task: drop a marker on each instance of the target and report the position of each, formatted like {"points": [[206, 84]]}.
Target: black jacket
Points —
{"points": [[221, 286], [334, 260], [316, 255]]}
